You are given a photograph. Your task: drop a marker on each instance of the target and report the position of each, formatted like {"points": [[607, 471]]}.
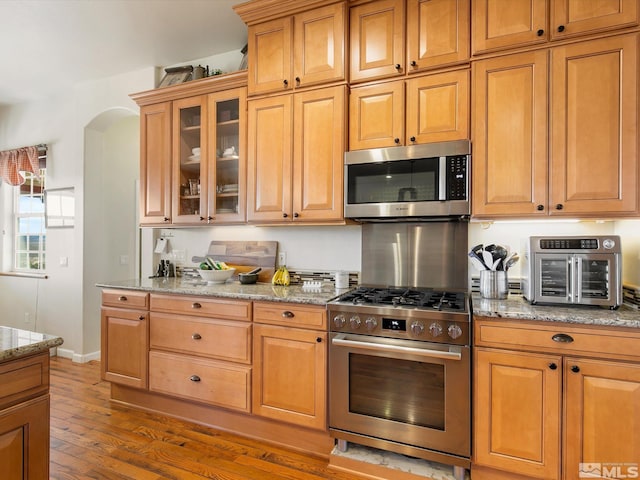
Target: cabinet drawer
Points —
{"points": [[202, 306], [290, 314], [125, 299], [208, 381], [557, 338], [24, 378], [221, 339]]}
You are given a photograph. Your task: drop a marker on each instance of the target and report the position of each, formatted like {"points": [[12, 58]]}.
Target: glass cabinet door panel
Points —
{"points": [[189, 153], [226, 199]]}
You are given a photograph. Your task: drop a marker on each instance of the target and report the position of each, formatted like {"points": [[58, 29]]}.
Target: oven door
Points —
{"points": [[404, 391]]}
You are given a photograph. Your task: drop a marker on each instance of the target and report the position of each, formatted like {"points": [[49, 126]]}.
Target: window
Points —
{"points": [[30, 232]]}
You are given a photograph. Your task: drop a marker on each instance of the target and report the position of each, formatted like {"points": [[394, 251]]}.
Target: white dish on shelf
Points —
{"points": [[230, 157], [193, 159]]}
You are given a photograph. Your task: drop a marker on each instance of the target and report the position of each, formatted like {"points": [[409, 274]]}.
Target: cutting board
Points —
{"points": [[244, 256]]}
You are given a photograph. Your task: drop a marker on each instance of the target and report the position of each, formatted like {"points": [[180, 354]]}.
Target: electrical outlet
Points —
{"points": [[282, 258]]}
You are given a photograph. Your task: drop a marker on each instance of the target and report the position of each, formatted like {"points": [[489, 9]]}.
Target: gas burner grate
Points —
{"points": [[404, 297]]}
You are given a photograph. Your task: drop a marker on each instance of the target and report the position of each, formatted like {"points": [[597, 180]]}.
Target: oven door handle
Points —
{"points": [[340, 340]]}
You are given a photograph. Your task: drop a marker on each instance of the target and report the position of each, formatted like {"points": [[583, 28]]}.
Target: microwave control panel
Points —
{"points": [[457, 177]]}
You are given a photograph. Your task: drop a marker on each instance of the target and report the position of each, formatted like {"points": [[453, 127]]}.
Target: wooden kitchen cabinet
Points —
{"points": [[179, 186], [383, 44], [544, 406], [436, 109], [290, 363], [155, 164], [124, 337], [24, 417], [295, 163], [298, 50], [580, 161], [200, 350], [532, 22]]}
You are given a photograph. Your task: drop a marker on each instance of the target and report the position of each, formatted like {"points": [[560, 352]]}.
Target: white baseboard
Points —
{"points": [[77, 358]]}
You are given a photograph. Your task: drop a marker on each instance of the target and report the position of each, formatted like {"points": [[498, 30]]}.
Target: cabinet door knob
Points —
{"points": [[166, 219], [319, 339], [141, 317], [196, 336], [413, 139], [209, 218], [561, 28], [539, 207], [559, 206], [414, 63], [396, 140], [122, 298], [285, 82], [288, 314], [194, 378], [196, 305], [540, 32], [398, 67], [285, 214], [201, 219], [298, 80], [562, 338], [296, 215], [575, 368], [553, 366]]}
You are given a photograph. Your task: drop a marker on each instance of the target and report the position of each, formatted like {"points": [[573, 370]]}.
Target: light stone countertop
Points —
{"points": [[230, 289], [516, 307], [16, 343]]}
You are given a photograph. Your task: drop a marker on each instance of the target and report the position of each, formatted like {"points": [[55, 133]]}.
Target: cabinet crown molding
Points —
{"points": [[259, 11], [216, 83]]}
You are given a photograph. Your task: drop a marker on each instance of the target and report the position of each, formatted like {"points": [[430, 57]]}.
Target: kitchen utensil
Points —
{"points": [[509, 262], [477, 261], [249, 277], [488, 259]]}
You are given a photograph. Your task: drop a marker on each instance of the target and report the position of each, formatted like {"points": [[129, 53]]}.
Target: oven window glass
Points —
{"points": [[595, 278], [396, 181], [554, 277], [400, 390]]}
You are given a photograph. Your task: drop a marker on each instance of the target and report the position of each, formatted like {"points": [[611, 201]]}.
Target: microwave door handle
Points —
{"points": [[442, 178], [452, 354], [571, 279]]}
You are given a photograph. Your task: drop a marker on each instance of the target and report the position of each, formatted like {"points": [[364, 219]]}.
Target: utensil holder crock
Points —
{"points": [[494, 284]]}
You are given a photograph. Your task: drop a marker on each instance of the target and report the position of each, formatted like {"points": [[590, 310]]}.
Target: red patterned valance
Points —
{"points": [[12, 162]]}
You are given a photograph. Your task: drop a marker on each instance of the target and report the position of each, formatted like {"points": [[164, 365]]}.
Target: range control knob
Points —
{"points": [[339, 321], [417, 328], [371, 323], [355, 322], [454, 331], [435, 329]]}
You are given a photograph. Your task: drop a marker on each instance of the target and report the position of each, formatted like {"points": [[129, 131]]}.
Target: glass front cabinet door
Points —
{"points": [[209, 156], [227, 156]]}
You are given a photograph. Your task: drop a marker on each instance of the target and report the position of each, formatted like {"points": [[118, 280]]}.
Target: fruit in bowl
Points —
{"points": [[216, 276]]}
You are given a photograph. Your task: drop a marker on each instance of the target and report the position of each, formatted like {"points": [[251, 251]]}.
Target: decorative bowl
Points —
{"points": [[248, 278], [216, 276]]}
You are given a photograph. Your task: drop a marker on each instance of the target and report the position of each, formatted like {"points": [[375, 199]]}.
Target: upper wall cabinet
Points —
{"points": [[530, 22], [295, 51], [383, 44], [555, 131], [193, 152]]}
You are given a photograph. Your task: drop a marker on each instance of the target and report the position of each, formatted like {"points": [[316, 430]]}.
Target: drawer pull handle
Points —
{"points": [[575, 368], [196, 336], [122, 298], [562, 338], [287, 314], [196, 305], [194, 378], [553, 366]]}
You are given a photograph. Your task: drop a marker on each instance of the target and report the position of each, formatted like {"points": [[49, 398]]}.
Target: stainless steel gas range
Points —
{"points": [[399, 356]]}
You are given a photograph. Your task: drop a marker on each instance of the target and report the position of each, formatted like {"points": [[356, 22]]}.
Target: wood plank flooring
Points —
{"points": [[92, 438]]}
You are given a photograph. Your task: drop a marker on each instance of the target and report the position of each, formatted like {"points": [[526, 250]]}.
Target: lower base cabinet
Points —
{"points": [[555, 412]]}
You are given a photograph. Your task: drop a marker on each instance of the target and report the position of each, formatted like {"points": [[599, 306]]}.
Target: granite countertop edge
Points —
{"points": [[231, 289], [517, 308], [16, 343]]}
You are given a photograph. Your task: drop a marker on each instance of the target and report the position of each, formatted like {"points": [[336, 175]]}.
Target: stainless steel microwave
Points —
{"points": [[573, 270], [430, 180]]}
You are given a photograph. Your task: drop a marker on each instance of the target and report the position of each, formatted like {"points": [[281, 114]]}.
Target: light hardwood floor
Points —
{"points": [[92, 438]]}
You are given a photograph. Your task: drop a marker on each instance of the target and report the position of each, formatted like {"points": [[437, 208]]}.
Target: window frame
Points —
{"points": [[18, 216]]}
